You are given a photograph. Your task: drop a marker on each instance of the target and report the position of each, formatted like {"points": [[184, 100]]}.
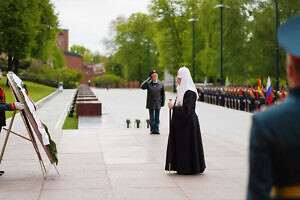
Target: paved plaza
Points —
{"points": [[105, 160]]}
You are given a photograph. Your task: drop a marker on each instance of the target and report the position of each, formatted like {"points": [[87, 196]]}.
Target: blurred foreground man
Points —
{"points": [[275, 133], [155, 99]]}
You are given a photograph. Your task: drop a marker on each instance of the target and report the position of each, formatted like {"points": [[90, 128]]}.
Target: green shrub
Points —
{"points": [[108, 78], [69, 77], [46, 75]]}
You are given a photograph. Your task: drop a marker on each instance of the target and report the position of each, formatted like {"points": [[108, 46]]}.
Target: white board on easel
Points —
{"points": [[31, 120]]}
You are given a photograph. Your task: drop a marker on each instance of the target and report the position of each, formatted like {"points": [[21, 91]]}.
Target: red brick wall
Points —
{"points": [[62, 40], [88, 74], [74, 62]]}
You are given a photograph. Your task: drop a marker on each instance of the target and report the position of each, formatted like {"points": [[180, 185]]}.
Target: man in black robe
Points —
{"points": [[185, 151]]}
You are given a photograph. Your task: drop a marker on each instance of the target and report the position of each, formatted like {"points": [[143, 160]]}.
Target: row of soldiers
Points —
{"points": [[246, 98]]}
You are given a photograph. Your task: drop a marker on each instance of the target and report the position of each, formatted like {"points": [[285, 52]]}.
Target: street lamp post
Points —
{"points": [[193, 20], [276, 48], [221, 5]]}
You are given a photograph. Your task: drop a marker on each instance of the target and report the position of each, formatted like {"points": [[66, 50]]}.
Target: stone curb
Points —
{"points": [[44, 100], [62, 118]]}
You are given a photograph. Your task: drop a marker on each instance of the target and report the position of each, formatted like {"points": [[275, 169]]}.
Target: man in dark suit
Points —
{"points": [[275, 133], [155, 99]]}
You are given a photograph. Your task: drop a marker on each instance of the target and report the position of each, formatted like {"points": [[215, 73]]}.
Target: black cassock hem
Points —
{"points": [[185, 149]]}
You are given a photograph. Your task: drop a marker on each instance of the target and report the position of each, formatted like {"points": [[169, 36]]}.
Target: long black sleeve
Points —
{"points": [[163, 96], [184, 112], [145, 84]]}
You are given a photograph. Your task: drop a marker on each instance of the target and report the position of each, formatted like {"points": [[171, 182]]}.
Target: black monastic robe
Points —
{"points": [[186, 150]]}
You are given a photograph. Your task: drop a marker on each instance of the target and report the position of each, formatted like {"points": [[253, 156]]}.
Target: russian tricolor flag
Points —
{"points": [[269, 96]]}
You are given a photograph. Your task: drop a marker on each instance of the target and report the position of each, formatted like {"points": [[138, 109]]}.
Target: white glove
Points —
{"points": [[19, 106]]}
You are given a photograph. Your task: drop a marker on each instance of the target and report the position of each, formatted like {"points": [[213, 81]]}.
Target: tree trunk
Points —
{"points": [[16, 68], [10, 66], [10, 63]]}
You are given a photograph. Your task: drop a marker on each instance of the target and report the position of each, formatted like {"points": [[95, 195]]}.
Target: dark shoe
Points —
{"points": [[1, 172], [157, 133]]}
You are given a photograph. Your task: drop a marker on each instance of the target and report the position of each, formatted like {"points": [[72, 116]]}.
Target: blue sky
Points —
{"points": [[88, 20]]}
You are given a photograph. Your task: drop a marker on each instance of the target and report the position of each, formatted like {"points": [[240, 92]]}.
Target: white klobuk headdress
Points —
{"points": [[186, 84]]}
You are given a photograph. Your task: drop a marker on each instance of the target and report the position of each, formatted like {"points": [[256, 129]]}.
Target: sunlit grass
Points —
{"points": [[35, 91], [71, 122]]}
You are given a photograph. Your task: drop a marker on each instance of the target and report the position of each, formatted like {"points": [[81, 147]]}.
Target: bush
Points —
{"points": [[108, 78], [69, 77], [51, 77]]}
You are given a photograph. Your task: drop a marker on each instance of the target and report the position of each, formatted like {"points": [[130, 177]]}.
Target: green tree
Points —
{"points": [[83, 51], [112, 67], [171, 32], [18, 25], [88, 55], [97, 58], [27, 29], [248, 39], [47, 31], [135, 48], [261, 43], [234, 36], [208, 41], [57, 57]]}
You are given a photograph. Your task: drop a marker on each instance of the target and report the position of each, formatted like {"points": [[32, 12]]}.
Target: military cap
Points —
{"points": [[153, 72], [289, 36]]}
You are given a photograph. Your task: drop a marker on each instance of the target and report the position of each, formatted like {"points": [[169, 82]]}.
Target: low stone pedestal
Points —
{"points": [[87, 104], [88, 108]]}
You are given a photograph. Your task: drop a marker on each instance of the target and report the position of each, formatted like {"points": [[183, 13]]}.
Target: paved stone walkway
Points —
{"points": [[23, 177], [104, 160]]}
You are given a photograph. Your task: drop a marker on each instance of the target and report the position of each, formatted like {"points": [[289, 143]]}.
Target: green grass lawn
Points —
{"points": [[35, 91], [71, 122]]}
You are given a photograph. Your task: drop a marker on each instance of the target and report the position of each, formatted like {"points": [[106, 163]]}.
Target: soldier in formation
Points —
{"points": [[245, 98]]}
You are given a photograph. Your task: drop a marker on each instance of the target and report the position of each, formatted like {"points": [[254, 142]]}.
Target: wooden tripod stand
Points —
{"points": [[31, 139], [31, 122]]}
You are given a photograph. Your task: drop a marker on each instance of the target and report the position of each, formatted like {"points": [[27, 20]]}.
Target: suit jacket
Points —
{"points": [[155, 94], [275, 148]]}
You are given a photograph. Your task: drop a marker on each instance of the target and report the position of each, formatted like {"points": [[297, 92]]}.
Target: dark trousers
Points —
{"points": [[154, 120], [242, 104]]}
